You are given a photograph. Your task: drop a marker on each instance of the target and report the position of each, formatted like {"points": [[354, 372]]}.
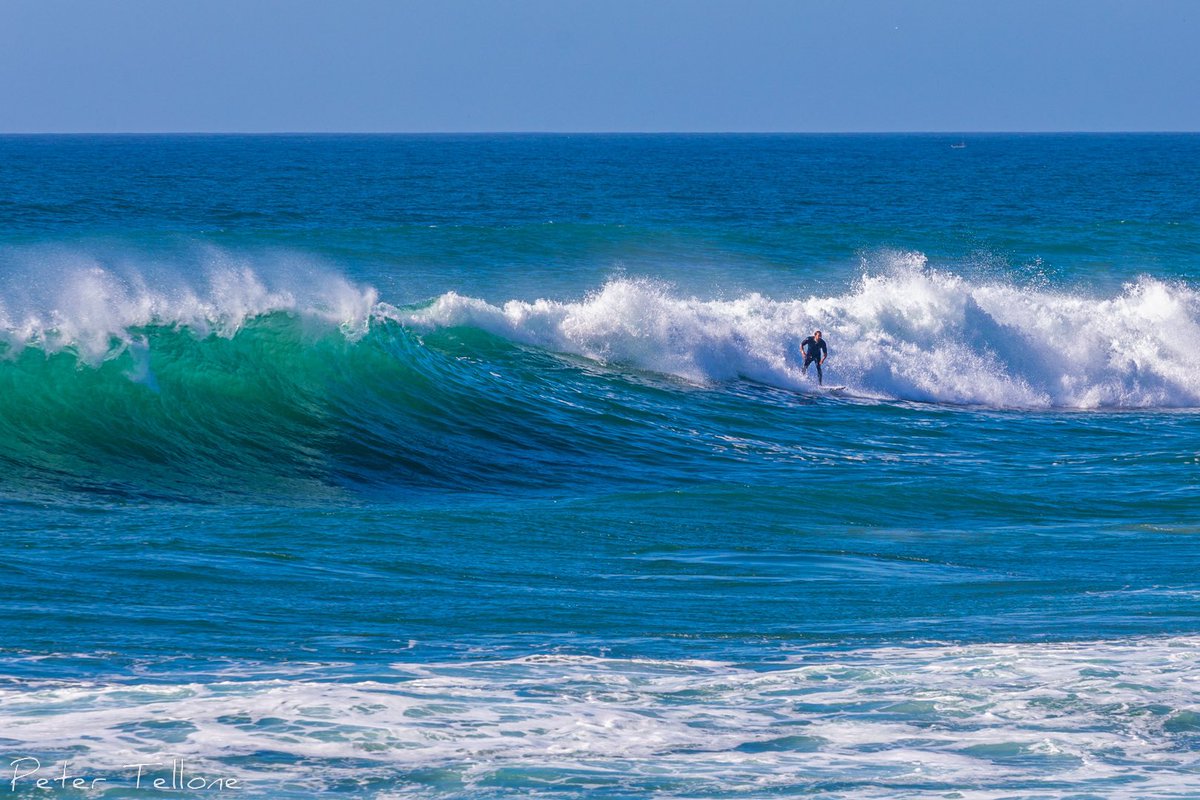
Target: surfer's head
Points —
{"points": [[816, 334]]}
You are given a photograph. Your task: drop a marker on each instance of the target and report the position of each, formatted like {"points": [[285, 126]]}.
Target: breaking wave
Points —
{"points": [[207, 374], [913, 334]]}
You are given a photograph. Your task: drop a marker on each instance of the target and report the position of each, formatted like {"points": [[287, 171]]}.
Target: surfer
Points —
{"points": [[815, 349]]}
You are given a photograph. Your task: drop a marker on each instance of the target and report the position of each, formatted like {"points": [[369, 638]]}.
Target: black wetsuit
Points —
{"points": [[814, 350]]}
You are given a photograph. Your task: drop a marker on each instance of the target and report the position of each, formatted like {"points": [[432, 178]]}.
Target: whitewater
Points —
{"points": [[908, 333], [864, 723]]}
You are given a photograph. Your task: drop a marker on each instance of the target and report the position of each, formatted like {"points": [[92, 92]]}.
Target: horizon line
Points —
{"points": [[533, 132]]}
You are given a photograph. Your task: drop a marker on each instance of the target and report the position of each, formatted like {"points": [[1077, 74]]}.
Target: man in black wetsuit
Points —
{"points": [[814, 349]]}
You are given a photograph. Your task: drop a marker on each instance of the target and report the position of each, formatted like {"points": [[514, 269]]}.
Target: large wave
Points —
{"points": [[111, 377]]}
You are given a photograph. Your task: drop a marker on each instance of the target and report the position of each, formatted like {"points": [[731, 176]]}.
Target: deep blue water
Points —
{"points": [[484, 466]]}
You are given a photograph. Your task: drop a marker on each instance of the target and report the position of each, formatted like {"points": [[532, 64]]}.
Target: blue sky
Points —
{"points": [[577, 65]]}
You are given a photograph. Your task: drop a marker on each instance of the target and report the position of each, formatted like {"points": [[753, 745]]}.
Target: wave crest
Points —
{"points": [[60, 299], [905, 332], [912, 333]]}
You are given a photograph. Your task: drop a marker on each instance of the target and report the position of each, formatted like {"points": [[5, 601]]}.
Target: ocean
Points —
{"points": [[485, 466]]}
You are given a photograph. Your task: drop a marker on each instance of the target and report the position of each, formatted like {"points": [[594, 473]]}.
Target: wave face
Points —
{"points": [[241, 378], [905, 333]]}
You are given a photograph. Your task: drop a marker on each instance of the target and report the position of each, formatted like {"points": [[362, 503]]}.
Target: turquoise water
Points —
{"points": [[484, 467]]}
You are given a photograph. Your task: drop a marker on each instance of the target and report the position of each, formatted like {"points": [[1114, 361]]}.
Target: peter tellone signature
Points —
{"points": [[163, 776]]}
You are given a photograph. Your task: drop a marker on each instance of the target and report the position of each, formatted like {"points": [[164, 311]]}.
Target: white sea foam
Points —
{"points": [[908, 333], [1114, 719]]}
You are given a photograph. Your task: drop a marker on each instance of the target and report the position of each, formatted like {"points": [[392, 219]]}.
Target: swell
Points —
{"points": [[281, 406], [309, 383]]}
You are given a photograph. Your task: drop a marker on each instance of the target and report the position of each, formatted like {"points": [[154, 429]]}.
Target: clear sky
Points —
{"points": [[599, 65]]}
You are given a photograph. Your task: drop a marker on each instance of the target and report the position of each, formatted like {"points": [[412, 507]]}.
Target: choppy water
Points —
{"points": [[484, 466]]}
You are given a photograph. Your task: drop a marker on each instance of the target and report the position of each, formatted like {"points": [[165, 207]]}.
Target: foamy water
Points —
{"points": [[994, 720]]}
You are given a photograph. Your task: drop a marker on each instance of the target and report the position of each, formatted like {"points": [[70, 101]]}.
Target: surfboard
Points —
{"points": [[833, 389]]}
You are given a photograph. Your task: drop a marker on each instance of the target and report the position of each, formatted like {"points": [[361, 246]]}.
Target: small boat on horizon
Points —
{"points": [[958, 146]]}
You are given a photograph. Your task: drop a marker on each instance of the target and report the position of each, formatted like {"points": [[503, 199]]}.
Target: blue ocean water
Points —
{"points": [[484, 466]]}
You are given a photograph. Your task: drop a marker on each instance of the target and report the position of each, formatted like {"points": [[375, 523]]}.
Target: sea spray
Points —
{"points": [[93, 303], [914, 334]]}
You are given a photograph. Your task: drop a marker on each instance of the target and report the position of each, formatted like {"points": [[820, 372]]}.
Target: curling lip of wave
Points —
{"points": [[95, 310]]}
